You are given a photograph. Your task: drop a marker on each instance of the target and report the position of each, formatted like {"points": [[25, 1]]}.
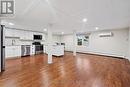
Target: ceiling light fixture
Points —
{"points": [[62, 32], [45, 29], [96, 28], [85, 20], [11, 24]]}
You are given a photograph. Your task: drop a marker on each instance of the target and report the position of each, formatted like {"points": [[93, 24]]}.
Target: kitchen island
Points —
{"points": [[57, 50]]}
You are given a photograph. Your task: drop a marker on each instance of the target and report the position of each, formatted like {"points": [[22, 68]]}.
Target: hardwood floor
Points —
{"points": [[81, 71]]}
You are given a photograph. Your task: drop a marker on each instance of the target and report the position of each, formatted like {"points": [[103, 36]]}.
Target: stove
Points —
{"points": [[38, 47]]}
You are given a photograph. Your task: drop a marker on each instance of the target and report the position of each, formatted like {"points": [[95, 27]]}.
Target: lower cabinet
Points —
{"points": [[12, 51], [32, 50], [57, 50]]}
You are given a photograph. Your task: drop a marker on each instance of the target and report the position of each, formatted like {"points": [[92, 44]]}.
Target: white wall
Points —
{"points": [[128, 57], [68, 40], [111, 46]]}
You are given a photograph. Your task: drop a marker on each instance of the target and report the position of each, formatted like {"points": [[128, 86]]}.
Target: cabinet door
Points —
{"points": [[17, 51], [8, 52], [32, 50], [9, 32], [26, 35], [43, 37], [29, 35], [17, 33], [23, 35]]}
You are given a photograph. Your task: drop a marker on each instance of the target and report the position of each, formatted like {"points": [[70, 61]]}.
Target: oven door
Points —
{"points": [[38, 49], [25, 50]]}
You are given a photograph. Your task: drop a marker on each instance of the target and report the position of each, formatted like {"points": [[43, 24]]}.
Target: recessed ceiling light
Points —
{"points": [[85, 20], [11, 24], [45, 29], [62, 32], [96, 28]]}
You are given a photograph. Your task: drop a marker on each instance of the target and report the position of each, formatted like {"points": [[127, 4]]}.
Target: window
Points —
{"points": [[82, 40]]}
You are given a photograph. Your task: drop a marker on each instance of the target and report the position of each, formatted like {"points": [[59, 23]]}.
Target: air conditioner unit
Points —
{"points": [[107, 34]]}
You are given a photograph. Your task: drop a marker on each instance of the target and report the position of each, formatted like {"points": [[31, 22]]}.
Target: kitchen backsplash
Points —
{"points": [[12, 41], [17, 41]]}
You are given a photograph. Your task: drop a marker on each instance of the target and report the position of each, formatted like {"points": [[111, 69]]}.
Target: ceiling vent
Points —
{"points": [[107, 34]]}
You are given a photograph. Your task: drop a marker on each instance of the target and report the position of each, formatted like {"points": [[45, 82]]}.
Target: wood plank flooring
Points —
{"points": [[81, 71]]}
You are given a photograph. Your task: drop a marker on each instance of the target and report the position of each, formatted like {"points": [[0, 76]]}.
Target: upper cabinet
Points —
{"points": [[8, 32], [22, 34], [12, 33], [17, 33], [26, 35]]}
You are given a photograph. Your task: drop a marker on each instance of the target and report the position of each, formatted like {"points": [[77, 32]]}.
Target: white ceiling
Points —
{"points": [[66, 15]]}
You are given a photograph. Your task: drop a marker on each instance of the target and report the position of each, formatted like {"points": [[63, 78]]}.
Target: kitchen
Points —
{"points": [[24, 43]]}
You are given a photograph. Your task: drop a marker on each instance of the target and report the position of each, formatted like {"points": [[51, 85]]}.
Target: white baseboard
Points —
{"points": [[104, 54], [12, 57]]}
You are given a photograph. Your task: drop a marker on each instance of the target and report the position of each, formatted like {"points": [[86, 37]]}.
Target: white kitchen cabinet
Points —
{"points": [[17, 33], [26, 35], [8, 51], [12, 33], [32, 50], [29, 35], [43, 37], [23, 35], [9, 33], [12, 51], [57, 50], [17, 51]]}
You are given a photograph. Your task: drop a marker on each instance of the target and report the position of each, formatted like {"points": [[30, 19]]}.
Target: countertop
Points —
{"points": [[12, 45]]}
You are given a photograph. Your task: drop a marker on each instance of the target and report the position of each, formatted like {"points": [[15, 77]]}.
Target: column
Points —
{"points": [[49, 47], [74, 42]]}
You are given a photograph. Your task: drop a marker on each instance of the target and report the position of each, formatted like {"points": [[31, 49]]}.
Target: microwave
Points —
{"points": [[37, 37]]}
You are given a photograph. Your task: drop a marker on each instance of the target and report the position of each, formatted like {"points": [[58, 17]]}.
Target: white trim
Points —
{"points": [[103, 54]]}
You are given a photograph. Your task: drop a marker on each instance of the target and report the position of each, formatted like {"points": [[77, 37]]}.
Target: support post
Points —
{"points": [[49, 47], [74, 42]]}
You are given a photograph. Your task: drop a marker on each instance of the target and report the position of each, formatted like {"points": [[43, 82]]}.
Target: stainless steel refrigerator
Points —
{"points": [[2, 48]]}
